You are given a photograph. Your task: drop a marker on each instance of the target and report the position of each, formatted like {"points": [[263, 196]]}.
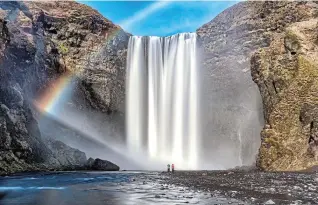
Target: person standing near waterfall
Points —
{"points": [[168, 168], [172, 168]]}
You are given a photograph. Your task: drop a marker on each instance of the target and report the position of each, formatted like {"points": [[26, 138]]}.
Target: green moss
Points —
{"points": [[63, 49]]}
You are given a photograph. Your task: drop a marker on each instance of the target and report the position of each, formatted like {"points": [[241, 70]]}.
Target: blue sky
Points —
{"points": [[159, 18]]}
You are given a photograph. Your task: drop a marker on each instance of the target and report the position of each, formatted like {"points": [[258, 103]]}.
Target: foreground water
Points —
{"points": [[147, 188], [95, 188]]}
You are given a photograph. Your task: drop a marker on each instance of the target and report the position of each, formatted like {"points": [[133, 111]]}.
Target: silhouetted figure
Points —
{"points": [[172, 168], [168, 167]]}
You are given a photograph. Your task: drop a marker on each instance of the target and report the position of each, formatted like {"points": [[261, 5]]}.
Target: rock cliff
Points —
{"points": [[233, 100], [287, 75], [40, 42]]}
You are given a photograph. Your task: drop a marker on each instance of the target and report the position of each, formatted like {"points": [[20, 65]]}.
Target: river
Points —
{"points": [[96, 188]]}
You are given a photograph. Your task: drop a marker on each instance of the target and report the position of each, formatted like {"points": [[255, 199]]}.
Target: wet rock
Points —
{"points": [[104, 165]]}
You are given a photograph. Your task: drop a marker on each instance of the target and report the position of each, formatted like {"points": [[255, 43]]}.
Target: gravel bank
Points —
{"points": [[252, 187]]}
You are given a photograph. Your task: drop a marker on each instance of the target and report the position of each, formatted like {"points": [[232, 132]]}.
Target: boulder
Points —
{"points": [[104, 165]]}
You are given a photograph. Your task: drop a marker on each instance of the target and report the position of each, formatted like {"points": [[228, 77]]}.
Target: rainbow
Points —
{"points": [[48, 101], [59, 90]]}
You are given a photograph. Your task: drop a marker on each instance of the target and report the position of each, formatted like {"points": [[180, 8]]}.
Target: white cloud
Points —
{"points": [[190, 23], [185, 24], [142, 14]]}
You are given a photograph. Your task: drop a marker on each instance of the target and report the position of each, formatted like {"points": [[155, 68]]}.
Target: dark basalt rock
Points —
{"points": [[104, 165], [67, 158]]}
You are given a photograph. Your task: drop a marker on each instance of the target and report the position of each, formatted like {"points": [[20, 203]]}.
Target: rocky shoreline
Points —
{"points": [[252, 187]]}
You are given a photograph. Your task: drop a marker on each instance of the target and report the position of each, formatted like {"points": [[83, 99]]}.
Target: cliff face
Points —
{"points": [[21, 142], [41, 42], [233, 104], [287, 75], [70, 37]]}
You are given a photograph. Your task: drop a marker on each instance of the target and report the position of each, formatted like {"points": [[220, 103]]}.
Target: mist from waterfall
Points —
{"points": [[162, 99]]}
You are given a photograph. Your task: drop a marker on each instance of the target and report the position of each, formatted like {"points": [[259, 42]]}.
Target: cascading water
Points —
{"points": [[162, 104]]}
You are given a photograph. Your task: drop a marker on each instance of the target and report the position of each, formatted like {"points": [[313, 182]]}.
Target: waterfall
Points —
{"points": [[162, 99]]}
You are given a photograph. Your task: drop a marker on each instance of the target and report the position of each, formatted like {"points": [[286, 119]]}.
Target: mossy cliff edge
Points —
{"points": [[286, 73]]}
